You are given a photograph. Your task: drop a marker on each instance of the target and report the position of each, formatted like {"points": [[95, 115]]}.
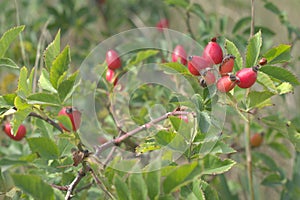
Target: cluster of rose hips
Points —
{"points": [[213, 55], [113, 62]]}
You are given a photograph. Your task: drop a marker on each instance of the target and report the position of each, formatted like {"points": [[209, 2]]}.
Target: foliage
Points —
{"points": [[51, 163]]}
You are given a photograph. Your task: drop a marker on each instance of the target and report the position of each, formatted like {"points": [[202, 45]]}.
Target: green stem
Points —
{"points": [[249, 156]]}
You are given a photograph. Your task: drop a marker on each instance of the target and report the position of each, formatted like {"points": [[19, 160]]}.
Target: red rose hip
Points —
{"points": [[226, 83], [247, 77], [179, 55], [21, 132], [209, 78], [73, 114], [196, 64], [161, 24], [226, 65], [213, 52], [256, 140], [113, 60]]}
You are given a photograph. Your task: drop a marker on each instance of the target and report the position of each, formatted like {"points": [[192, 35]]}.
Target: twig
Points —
{"points": [[252, 19], [120, 139], [20, 35], [62, 188], [46, 119], [99, 183], [189, 28], [38, 55], [74, 183]]}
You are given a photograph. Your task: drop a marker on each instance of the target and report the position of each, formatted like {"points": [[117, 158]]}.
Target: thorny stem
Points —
{"points": [[252, 18], [74, 183], [120, 139]]}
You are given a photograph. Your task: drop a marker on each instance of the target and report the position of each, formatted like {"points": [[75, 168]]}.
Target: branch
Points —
{"points": [[189, 28], [99, 183], [46, 119], [74, 183], [120, 139]]}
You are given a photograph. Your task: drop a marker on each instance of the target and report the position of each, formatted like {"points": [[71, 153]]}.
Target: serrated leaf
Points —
{"points": [[43, 146], [121, 188], [8, 37], [44, 99], [258, 99], [179, 176], [146, 147], [284, 88], [279, 54], [52, 50], [137, 186], [44, 82], [9, 63], [67, 87], [209, 192], [253, 50], [143, 55], [232, 49], [245, 21], [222, 148], [7, 101], [23, 89], [280, 74], [264, 80], [214, 165], [59, 66], [19, 117], [34, 186]]}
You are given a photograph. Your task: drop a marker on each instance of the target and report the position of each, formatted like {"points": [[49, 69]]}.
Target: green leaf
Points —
{"points": [[34, 186], [179, 3], [67, 87], [44, 82], [179, 176], [137, 186], [243, 22], [8, 37], [232, 49], [209, 192], [280, 74], [272, 180], [284, 88], [52, 50], [204, 121], [279, 54], [281, 149], [270, 6], [152, 180], [66, 121], [121, 188], [7, 101], [253, 50], [143, 55], [222, 148], [59, 66], [174, 68], [44, 147], [9, 63], [164, 137], [19, 117], [23, 88], [9, 162], [43, 99], [267, 160], [212, 165], [259, 99], [264, 80]]}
